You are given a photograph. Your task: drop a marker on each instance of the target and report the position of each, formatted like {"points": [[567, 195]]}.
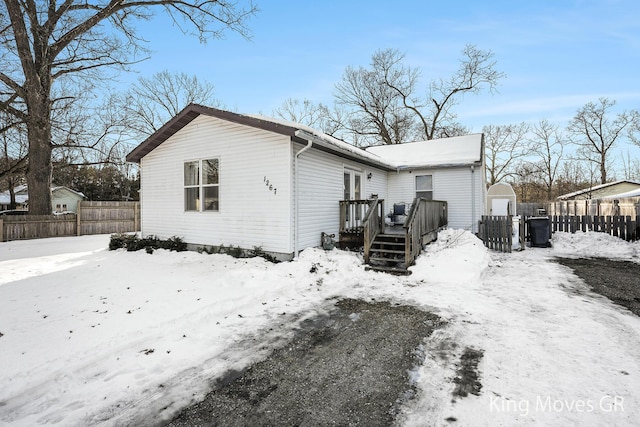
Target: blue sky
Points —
{"points": [[557, 55]]}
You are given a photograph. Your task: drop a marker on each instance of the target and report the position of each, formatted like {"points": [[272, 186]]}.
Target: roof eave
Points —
{"points": [[440, 165], [188, 114], [302, 136]]}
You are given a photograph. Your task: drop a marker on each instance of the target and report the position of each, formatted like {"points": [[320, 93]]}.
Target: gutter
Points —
{"points": [[473, 201], [357, 155], [296, 220]]}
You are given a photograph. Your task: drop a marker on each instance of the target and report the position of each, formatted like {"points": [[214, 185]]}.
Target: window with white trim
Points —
{"points": [[424, 186], [201, 185]]}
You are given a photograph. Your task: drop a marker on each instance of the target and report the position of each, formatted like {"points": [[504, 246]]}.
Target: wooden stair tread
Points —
{"points": [[387, 251], [387, 269]]}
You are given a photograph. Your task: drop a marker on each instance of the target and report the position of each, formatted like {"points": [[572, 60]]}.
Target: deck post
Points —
{"points": [[78, 218]]}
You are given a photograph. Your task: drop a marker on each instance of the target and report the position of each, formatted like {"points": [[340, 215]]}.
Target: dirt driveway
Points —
{"points": [[351, 367], [617, 280]]}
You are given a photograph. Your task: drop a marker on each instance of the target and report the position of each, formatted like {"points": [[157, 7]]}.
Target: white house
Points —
{"points": [[214, 177], [599, 191], [63, 199]]}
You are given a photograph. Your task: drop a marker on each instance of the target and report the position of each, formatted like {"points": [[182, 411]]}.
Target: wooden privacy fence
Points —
{"points": [[91, 218], [497, 232], [629, 206], [625, 227]]}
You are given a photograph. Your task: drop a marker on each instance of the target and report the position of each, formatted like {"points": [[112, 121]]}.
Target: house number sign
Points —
{"points": [[270, 186]]}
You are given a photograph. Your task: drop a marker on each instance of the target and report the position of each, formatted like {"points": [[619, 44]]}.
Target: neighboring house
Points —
{"points": [[20, 199], [602, 191], [215, 178], [632, 193], [63, 199]]}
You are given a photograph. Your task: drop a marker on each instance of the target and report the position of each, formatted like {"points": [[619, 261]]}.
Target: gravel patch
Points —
{"points": [[617, 280], [351, 367]]}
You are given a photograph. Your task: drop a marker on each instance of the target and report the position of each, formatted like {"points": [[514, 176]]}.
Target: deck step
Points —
{"points": [[382, 258], [389, 242], [387, 251], [388, 254], [389, 269], [390, 237]]}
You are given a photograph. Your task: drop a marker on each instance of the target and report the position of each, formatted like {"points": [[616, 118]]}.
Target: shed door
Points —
{"points": [[500, 207]]}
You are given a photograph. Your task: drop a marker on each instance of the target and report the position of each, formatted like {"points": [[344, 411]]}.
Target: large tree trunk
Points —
{"points": [[603, 169], [12, 194], [40, 168]]}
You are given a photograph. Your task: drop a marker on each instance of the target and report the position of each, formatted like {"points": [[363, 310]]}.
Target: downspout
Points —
{"points": [[473, 201], [297, 198]]}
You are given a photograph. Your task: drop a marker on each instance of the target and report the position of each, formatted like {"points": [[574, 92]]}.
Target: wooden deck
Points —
{"points": [[385, 247], [394, 229]]}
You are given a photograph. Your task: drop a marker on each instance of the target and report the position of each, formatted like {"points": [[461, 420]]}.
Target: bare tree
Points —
{"points": [[630, 167], [13, 156], [45, 45], [526, 181], [318, 116], [596, 133], [386, 102], [151, 101], [378, 114], [573, 176], [504, 146], [548, 145], [476, 72], [305, 112]]}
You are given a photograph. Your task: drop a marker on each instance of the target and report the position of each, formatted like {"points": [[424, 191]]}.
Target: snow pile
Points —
{"points": [[592, 245], [92, 337]]}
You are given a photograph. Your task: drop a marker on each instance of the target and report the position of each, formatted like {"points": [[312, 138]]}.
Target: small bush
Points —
{"points": [[121, 241], [235, 251], [258, 252], [132, 243]]}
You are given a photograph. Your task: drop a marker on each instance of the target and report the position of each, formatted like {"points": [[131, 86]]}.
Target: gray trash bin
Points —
{"points": [[539, 231]]}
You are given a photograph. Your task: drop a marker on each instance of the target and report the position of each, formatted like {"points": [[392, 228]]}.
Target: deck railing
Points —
{"points": [[372, 225], [425, 218], [361, 221], [352, 213]]}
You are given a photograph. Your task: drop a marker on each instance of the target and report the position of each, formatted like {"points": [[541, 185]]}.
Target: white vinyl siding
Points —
{"points": [[322, 187], [250, 212], [424, 186], [453, 185], [67, 200]]}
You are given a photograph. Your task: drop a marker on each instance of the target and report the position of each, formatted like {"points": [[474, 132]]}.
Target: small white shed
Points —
{"points": [[501, 200]]}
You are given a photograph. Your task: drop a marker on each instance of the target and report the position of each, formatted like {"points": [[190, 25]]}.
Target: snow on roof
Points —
{"points": [[596, 187], [461, 150], [5, 198], [632, 193], [458, 150], [62, 187], [333, 142]]}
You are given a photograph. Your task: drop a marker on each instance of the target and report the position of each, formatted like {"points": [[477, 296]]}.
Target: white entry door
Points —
{"points": [[353, 191], [352, 185]]}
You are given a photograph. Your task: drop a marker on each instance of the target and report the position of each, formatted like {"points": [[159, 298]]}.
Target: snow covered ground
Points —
{"points": [[91, 336]]}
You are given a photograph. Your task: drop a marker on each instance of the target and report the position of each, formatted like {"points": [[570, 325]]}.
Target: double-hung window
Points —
{"points": [[201, 185], [424, 186]]}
